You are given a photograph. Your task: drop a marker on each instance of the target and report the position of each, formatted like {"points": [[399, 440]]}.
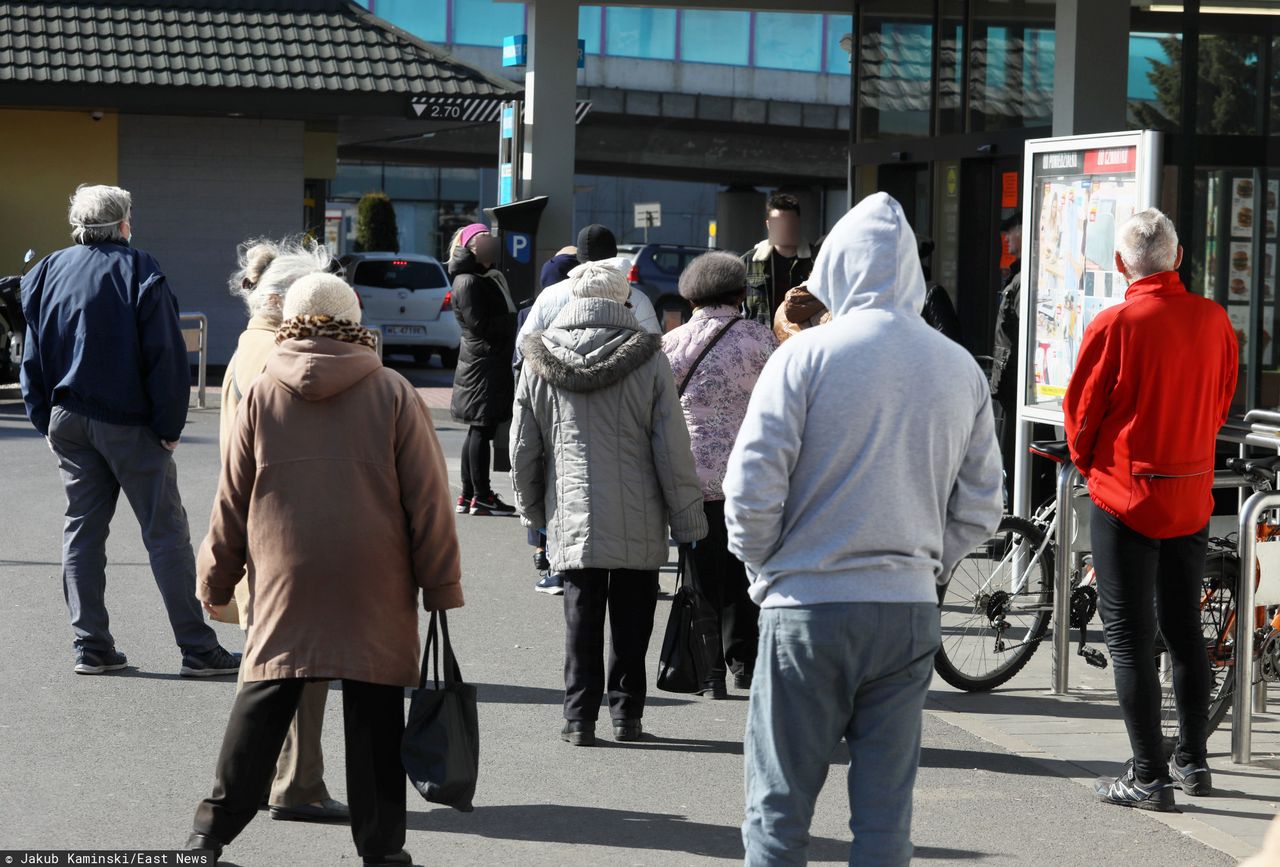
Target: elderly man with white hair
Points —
{"points": [[1153, 385], [105, 378]]}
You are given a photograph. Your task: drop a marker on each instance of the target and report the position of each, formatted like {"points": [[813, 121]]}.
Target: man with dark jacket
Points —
{"points": [[779, 262], [106, 380], [1153, 385]]}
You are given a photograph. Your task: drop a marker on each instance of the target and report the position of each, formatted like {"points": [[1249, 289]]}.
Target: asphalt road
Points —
{"points": [[120, 761]]}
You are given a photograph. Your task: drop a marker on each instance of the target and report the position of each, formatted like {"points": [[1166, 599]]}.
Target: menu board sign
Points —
{"points": [[1080, 199]]}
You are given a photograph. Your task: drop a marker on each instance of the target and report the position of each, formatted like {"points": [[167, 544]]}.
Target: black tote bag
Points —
{"points": [[441, 745], [691, 642]]}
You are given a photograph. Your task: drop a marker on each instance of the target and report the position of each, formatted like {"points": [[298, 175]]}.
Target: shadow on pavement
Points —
{"points": [[1023, 704], [598, 826], [163, 675], [1007, 763], [504, 693], [687, 745]]}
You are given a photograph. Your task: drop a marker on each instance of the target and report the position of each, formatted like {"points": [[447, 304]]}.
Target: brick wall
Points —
{"points": [[202, 185]]}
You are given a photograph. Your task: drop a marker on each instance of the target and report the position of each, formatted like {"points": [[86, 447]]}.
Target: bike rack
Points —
{"points": [[197, 340], [1060, 660], [1264, 433]]}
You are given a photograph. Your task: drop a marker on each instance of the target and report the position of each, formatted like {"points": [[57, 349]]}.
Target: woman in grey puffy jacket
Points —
{"points": [[600, 457]]}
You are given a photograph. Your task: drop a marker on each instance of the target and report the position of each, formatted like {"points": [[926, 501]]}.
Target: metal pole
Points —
{"points": [[1068, 477], [1242, 706], [204, 360]]}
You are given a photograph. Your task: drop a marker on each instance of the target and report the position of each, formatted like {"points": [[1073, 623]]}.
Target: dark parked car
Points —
{"points": [[656, 269], [13, 325]]}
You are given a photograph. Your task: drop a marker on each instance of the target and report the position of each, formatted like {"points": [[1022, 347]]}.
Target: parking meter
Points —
{"points": [[517, 228]]}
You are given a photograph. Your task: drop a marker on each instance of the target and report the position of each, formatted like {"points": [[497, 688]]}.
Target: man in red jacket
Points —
{"points": [[1152, 387]]}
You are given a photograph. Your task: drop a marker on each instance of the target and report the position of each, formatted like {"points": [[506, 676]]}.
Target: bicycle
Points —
{"points": [[999, 600], [1218, 611]]}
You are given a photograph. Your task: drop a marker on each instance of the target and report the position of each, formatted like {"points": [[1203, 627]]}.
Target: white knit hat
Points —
{"points": [[322, 295], [599, 280]]}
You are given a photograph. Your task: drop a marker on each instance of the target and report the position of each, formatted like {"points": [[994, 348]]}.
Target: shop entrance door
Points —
{"points": [[990, 191]]}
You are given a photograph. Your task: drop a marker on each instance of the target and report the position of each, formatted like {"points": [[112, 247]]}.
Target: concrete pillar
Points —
{"points": [[551, 90], [739, 218], [1091, 61]]}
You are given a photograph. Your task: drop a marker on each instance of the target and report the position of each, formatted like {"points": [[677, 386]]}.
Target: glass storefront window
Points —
{"points": [[1228, 85], [481, 22], [951, 68], [1232, 252], [589, 20], [789, 40], [424, 20], [459, 184], [353, 180], [410, 182], [644, 33], [838, 27], [715, 37], [1155, 80], [896, 72], [1011, 68]]}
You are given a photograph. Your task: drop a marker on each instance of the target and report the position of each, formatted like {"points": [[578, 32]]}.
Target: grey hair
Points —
{"points": [[268, 268], [1147, 243], [96, 212], [714, 275]]}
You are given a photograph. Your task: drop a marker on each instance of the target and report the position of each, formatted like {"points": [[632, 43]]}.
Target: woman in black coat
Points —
{"points": [[483, 386]]}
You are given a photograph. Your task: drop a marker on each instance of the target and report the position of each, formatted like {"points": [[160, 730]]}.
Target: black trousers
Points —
{"points": [[477, 449], [1142, 582], [722, 581], [630, 596], [373, 716]]}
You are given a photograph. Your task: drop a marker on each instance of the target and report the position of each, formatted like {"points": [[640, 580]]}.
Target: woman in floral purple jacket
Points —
{"points": [[716, 357]]}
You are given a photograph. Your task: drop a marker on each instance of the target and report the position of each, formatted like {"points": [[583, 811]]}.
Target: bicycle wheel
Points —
{"points": [[996, 608], [1217, 604]]}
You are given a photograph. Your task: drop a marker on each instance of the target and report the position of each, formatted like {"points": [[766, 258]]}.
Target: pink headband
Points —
{"points": [[469, 232]]}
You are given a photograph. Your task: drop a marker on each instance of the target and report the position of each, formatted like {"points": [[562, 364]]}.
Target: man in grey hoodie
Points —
{"points": [[866, 468]]}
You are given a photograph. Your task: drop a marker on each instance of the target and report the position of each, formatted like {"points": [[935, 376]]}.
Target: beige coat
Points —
{"points": [[334, 494], [256, 342]]}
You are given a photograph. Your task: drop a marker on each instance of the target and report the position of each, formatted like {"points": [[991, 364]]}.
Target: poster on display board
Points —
{"points": [[1079, 190]]}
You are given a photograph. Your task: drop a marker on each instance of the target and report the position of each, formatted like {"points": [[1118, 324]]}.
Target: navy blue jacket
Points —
{"points": [[556, 269], [103, 340]]}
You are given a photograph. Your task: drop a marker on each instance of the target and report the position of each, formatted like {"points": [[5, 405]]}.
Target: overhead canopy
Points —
{"points": [[303, 58]]}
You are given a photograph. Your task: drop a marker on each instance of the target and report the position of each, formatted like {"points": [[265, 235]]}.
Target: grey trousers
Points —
{"points": [[858, 671], [299, 775], [99, 460]]}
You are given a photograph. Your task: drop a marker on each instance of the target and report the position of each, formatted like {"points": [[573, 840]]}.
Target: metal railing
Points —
{"points": [[197, 340], [1265, 433]]}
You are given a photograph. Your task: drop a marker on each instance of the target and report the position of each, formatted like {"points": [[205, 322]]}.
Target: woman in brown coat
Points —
{"points": [[334, 494]]}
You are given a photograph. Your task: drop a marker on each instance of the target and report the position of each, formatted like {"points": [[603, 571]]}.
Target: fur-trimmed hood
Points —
{"points": [[592, 344]]}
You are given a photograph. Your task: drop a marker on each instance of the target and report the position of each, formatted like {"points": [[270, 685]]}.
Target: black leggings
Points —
{"points": [[1143, 581], [477, 449]]}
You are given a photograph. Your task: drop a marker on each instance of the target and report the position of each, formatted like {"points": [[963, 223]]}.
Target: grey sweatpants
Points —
{"points": [[99, 460], [858, 671]]}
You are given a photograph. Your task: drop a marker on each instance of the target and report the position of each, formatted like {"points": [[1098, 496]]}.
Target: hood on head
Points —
{"points": [[592, 344], [318, 368], [870, 261]]}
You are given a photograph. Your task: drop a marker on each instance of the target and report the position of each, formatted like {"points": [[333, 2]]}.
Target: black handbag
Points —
{"points": [[691, 643], [441, 745]]}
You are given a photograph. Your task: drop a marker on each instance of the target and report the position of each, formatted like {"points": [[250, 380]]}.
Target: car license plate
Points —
{"points": [[404, 331]]}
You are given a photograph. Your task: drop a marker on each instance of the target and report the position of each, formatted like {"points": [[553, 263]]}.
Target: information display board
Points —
{"points": [[1079, 190]]}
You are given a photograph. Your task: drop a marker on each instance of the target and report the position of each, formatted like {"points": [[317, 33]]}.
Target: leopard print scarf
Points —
{"points": [[326, 326]]}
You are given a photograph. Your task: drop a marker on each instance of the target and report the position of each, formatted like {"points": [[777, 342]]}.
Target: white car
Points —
{"points": [[406, 297]]}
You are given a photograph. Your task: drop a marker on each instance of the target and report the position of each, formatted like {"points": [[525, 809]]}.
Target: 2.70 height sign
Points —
{"points": [[455, 109]]}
